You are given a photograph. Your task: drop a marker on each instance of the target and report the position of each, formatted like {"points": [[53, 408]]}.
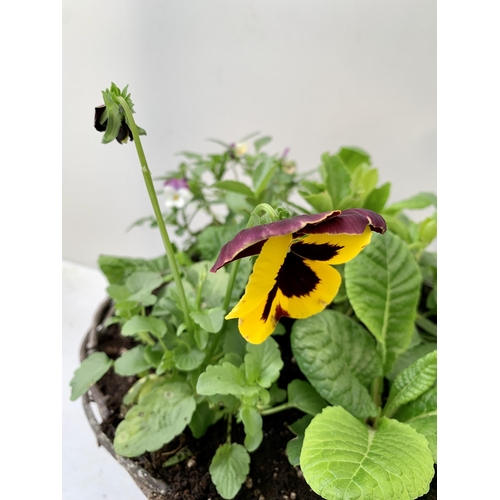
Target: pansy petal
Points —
{"points": [[263, 277], [350, 221], [315, 301], [332, 248], [249, 241]]}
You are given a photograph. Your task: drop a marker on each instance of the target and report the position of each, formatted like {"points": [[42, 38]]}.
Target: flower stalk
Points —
{"points": [[157, 211]]}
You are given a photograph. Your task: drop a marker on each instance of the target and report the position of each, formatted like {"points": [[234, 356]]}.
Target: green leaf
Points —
{"points": [[144, 281], [188, 358], [353, 157], [114, 118], [212, 239], [252, 422], [132, 362], [202, 419], [210, 320], [229, 469], [160, 416], [138, 323], [421, 414], [337, 179], [420, 200], [263, 363], [260, 143], [224, 379], [235, 187], [412, 382], [383, 285], [118, 269], [339, 358], [321, 202], [342, 458], [410, 356], [293, 450], [263, 174], [90, 371], [180, 456], [304, 397], [377, 199]]}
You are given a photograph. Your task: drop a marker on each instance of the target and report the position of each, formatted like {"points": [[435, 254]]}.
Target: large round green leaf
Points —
{"points": [[343, 459]]}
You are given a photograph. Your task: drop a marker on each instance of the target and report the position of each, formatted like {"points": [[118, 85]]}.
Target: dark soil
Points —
{"points": [[271, 476]]}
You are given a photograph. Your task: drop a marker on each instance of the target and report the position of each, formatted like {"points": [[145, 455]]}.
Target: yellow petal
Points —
{"points": [[292, 296], [263, 277], [332, 248]]}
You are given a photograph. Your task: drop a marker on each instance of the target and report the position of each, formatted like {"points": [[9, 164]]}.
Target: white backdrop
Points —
{"points": [[316, 75]]}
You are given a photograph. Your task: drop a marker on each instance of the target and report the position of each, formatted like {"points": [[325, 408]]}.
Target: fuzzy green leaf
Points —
{"points": [[377, 199], [410, 356], [263, 363], [304, 397], [339, 358], [337, 178], [210, 320], [353, 157], [343, 458], [187, 359], [224, 379], [132, 362], [118, 269], [160, 416], [383, 285], [138, 323], [252, 422], [321, 202], [412, 382], [90, 371], [229, 469], [418, 201]]}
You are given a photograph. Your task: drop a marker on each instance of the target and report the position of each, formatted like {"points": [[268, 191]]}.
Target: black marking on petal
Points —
{"points": [[269, 302], [315, 251], [296, 278]]}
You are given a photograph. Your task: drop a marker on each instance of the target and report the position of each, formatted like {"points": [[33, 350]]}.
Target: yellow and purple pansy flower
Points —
{"points": [[292, 275]]}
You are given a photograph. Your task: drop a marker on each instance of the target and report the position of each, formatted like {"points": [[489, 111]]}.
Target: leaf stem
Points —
{"points": [[156, 208], [277, 409], [229, 427], [376, 391]]}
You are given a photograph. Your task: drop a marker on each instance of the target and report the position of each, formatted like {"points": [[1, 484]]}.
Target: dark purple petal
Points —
{"points": [[99, 111], [177, 184], [249, 241], [350, 221]]}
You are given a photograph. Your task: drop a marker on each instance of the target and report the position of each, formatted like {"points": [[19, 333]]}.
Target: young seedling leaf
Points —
{"points": [[252, 422], [132, 362], [160, 416], [343, 458], [210, 320], [263, 363], [89, 372], [383, 286], [229, 469], [412, 382], [139, 323], [224, 379], [187, 359], [339, 358], [304, 397]]}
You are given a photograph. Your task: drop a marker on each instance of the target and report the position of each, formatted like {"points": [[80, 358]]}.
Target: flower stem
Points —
{"points": [[156, 208], [230, 285]]}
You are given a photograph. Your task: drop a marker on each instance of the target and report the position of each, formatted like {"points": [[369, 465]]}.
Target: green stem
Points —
{"points": [[156, 208], [376, 391], [276, 409], [230, 285], [229, 427]]}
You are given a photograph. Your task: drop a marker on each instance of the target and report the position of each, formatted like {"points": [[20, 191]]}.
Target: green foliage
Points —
{"points": [[383, 285], [343, 458], [90, 371], [159, 416], [229, 469], [339, 358]]}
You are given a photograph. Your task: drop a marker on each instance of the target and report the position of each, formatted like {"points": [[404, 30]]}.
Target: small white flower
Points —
{"points": [[177, 193], [240, 149]]}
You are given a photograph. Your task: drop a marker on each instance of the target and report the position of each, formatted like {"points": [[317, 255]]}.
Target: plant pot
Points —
{"points": [[157, 489]]}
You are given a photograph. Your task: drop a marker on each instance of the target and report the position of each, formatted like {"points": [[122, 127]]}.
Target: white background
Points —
{"points": [[315, 75]]}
